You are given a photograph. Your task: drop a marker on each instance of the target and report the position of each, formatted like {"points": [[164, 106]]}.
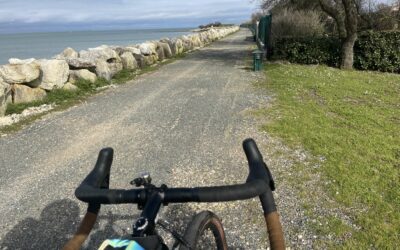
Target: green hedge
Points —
{"points": [[312, 50], [372, 51], [378, 51]]}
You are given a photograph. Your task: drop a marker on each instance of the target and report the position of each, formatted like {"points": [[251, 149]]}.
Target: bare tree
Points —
{"points": [[345, 14]]}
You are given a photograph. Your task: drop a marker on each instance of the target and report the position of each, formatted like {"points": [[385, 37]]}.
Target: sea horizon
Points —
{"points": [[41, 45]]}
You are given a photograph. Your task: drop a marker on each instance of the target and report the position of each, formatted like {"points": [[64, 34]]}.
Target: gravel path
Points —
{"points": [[184, 123]]}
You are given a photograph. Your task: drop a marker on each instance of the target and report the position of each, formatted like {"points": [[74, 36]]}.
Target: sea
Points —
{"points": [[49, 44]]}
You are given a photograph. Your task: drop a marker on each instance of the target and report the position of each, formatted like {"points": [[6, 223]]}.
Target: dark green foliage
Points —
{"points": [[308, 50], [378, 51], [373, 51]]}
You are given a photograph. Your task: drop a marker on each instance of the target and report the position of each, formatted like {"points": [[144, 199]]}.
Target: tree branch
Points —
{"points": [[351, 21], [333, 11]]}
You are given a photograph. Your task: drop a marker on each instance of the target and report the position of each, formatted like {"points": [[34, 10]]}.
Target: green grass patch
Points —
{"points": [[60, 96], [124, 75], [352, 120]]}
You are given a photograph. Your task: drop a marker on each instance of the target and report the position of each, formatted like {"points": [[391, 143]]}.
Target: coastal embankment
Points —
{"points": [[29, 80]]}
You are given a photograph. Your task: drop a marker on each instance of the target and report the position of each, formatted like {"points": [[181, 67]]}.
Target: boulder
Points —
{"points": [[147, 48], [102, 70], [5, 96], [160, 53], [85, 74], [115, 67], [107, 70], [69, 86], [67, 53], [149, 60], [79, 63], [128, 61], [178, 44], [24, 93], [21, 61], [19, 73], [133, 50], [187, 46], [170, 44], [140, 60], [54, 74], [187, 43], [166, 49], [103, 53], [196, 41]]}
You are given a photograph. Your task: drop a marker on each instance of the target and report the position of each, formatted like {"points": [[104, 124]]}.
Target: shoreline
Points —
{"points": [[31, 81], [47, 44]]}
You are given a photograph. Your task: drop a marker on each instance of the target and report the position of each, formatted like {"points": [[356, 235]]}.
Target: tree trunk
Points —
{"points": [[347, 53]]}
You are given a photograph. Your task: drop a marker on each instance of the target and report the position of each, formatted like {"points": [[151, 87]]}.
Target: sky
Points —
{"points": [[68, 15]]}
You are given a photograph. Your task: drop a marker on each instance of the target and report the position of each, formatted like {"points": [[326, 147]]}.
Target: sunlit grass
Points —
{"points": [[352, 120]]}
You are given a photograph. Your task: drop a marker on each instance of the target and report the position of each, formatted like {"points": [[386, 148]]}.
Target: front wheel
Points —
{"points": [[205, 231]]}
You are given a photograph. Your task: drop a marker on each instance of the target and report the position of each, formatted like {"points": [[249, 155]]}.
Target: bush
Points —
{"points": [[372, 51], [308, 50], [296, 23], [378, 51]]}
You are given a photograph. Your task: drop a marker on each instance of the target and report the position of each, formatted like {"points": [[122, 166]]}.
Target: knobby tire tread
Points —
{"points": [[199, 224]]}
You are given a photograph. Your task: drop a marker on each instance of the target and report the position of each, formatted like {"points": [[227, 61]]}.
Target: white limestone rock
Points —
{"points": [[165, 48], [103, 53], [147, 48], [54, 74], [23, 93], [5, 96], [19, 73], [67, 53], [85, 74], [128, 61], [21, 61], [79, 63], [70, 87]]}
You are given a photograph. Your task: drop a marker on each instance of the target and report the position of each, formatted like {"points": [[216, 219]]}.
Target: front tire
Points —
{"points": [[205, 231]]}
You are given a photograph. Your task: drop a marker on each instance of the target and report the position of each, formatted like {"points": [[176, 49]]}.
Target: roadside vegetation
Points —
{"points": [[363, 34], [60, 97], [350, 122]]}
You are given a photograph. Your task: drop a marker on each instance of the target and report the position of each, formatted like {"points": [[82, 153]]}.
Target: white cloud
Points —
{"points": [[71, 11]]}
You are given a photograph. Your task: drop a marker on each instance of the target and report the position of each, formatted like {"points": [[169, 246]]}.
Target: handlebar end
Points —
{"points": [[251, 150]]}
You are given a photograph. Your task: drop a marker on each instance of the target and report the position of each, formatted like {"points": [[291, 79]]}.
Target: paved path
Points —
{"points": [[184, 123]]}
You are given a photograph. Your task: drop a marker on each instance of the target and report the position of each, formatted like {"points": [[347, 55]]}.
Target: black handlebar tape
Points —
{"points": [[249, 190], [97, 179], [251, 150], [100, 175], [268, 202], [216, 194]]}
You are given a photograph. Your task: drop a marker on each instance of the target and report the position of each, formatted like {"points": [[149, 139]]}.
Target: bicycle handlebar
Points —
{"points": [[95, 190]]}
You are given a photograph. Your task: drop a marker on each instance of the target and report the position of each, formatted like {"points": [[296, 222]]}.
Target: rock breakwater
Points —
{"points": [[29, 80]]}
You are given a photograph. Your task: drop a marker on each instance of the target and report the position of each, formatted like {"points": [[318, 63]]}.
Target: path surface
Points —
{"points": [[184, 123]]}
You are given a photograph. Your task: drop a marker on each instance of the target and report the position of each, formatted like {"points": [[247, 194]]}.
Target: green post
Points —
{"points": [[257, 59]]}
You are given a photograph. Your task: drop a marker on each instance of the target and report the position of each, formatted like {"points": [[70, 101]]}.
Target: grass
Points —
{"points": [[60, 97], [351, 119]]}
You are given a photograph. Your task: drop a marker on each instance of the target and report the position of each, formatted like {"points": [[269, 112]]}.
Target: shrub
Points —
{"points": [[308, 50], [296, 23], [378, 51], [372, 51]]}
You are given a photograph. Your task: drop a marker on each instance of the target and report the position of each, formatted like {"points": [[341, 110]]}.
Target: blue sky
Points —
{"points": [[62, 15]]}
